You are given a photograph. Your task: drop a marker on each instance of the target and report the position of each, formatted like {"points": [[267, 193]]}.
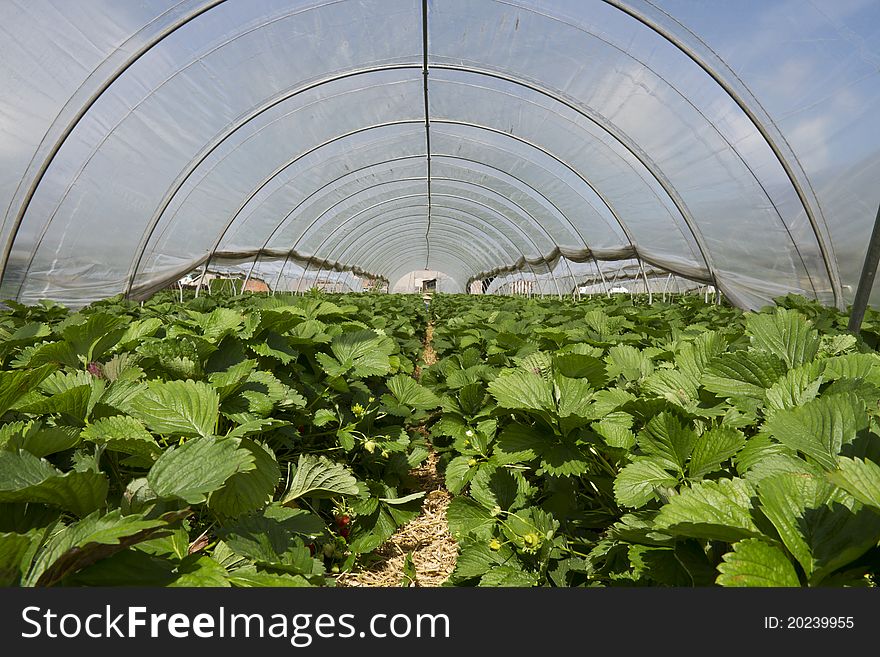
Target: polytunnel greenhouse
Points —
{"points": [[441, 292]]}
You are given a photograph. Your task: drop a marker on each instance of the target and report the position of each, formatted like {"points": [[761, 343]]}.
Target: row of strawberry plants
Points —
{"points": [[242, 441], [683, 444]]}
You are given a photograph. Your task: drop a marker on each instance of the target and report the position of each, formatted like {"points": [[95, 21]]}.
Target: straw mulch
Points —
{"points": [[426, 537]]}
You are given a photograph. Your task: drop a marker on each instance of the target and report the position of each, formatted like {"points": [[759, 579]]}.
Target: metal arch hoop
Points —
{"points": [[649, 165], [114, 75], [641, 157], [382, 263], [370, 242], [671, 38], [454, 209], [495, 231], [438, 156], [357, 214], [526, 142], [408, 235], [815, 216], [503, 218], [463, 199]]}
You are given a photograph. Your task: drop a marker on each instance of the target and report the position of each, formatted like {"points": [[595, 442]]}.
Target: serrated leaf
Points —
{"points": [[458, 473], [520, 390], [796, 387], [520, 443], [627, 361], [122, 433], [465, 516], [26, 478], [638, 482], [752, 562], [616, 429], [667, 439], [256, 427], [784, 499], [320, 477], [580, 366], [694, 357], [251, 577], [860, 478], [73, 403], [277, 347], [785, 333], [864, 367], [363, 352], [713, 448], [14, 385], [820, 427], [563, 459], [79, 544], [471, 398], [408, 393], [248, 490], [323, 417], [508, 576], [14, 549], [140, 329], [713, 510], [219, 323], [674, 386], [573, 396], [42, 440], [96, 335], [187, 408], [742, 373], [198, 467], [492, 486], [199, 570], [475, 559]]}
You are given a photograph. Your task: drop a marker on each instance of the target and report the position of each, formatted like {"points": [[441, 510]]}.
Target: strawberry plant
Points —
{"points": [[675, 444]]}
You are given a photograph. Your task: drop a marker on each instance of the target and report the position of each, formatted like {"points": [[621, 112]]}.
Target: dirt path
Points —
{"points": [[426, 538]]}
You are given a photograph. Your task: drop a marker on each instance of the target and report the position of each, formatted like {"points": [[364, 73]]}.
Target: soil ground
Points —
{"points": [[426, 538]]}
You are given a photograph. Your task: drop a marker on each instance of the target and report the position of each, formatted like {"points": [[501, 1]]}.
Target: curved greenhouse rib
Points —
{"points": [[479, 220], [464, 200], [380, 264], [526, 142], [78, 114], [764, 124], [438, 156], [371, 207], [356, 250], [232, 128], [799, 180], [503, 217], [377, 243]]}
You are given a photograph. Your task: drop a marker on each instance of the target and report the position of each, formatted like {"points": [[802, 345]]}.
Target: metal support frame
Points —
{"points": [[465, 200], [380, 264], [370, 245], [866, 279], [811, 206], [530, 190], [488, 129], [312, 194], [649, 165], [470, 201]]}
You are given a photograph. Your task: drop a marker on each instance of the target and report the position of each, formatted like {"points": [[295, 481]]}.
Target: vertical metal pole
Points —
{"points": [[866, 280]]}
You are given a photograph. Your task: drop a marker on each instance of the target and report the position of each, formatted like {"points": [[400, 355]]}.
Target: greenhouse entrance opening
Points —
{"points": [[422, 281]]}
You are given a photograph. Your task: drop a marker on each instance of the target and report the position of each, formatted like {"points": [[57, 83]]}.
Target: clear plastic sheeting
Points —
{"points": [[541, 145]]}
